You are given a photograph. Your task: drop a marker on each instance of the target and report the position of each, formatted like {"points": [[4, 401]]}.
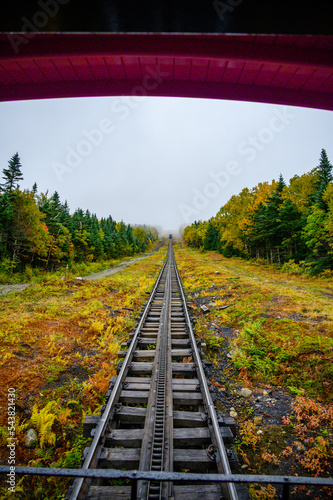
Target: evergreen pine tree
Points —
{"points": [[65, 217], [56, 204], [281, 184], [211, 238], [96, 236], [108, 227], [80, 234], [6, 222], [290, 229], [12, 174], [325, 176], [266, 231], [130, 239]]}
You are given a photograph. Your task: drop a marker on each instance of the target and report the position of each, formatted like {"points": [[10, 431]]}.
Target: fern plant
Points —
{"points": [[43, 421]]}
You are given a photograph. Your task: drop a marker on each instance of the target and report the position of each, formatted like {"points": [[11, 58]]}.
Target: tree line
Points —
{"points": [[279, 222], [39, 230]]}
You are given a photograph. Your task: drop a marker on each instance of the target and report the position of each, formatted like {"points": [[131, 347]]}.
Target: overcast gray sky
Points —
{"points": [[159, 161]]}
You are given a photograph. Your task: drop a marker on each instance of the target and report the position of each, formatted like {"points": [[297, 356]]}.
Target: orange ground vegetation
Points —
{"points": [[59, 345]]}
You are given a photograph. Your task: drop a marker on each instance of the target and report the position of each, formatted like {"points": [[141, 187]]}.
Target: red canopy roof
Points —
{"points": [[284, 69]]}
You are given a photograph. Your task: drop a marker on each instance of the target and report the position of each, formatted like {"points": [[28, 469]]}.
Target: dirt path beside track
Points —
{"points": [[4, 289], [13, 288], [115, 269]]}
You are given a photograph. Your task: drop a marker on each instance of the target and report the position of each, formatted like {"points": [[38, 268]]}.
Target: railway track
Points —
{"points": [[159, 414]]}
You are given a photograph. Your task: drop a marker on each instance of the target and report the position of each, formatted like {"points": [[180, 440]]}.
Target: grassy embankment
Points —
{"points": [[283, 338], [59, 344], [285, 322]]}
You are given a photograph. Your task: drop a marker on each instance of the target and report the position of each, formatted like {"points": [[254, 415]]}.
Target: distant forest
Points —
{"points": [[290, 225], [37, 230]]}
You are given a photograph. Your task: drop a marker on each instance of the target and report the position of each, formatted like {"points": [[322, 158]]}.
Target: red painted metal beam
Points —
{"points": [[281, 69], [281, 49], [289, 97]]}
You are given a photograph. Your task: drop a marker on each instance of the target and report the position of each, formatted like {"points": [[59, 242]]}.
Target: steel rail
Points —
{"points": [[161, 410], [153, 443], [101, 427], [167, 476], [206, 393]]}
